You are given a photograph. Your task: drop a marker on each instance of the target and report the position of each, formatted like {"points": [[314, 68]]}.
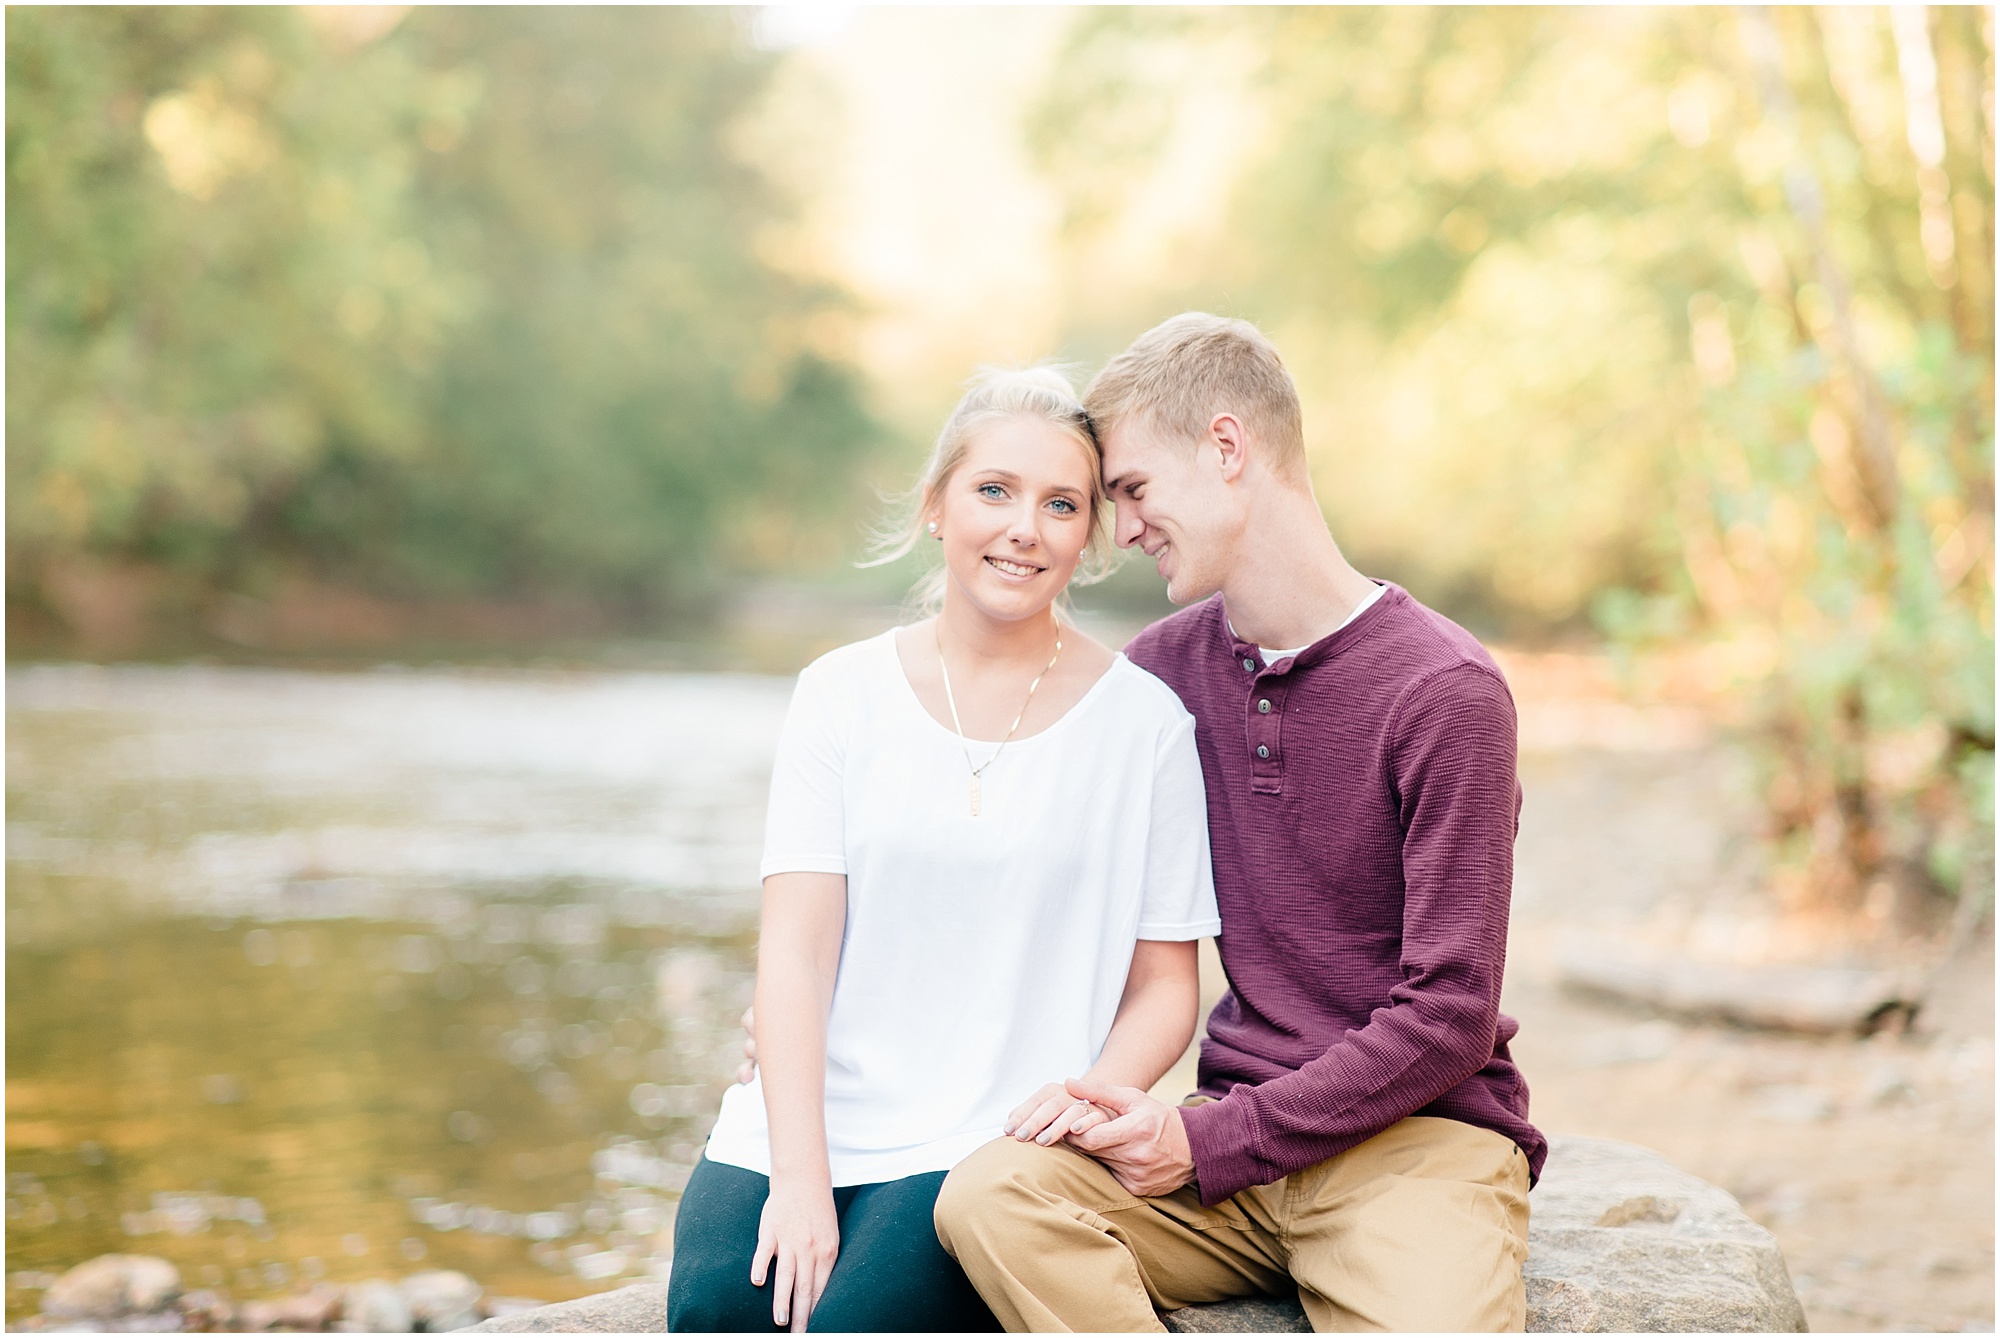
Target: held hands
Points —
{"points": [[1051, 1113], [800, 1232], [1145, 1147]]}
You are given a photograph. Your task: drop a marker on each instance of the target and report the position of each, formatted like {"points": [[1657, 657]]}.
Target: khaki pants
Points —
{"points": [[1422, 1227]]}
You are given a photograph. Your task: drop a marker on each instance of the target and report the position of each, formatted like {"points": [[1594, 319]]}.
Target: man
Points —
{"points": [[1360, 1129]]}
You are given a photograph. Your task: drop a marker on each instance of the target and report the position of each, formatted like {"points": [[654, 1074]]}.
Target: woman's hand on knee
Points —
{"points": [[1049, 1114], [798, 1238]]}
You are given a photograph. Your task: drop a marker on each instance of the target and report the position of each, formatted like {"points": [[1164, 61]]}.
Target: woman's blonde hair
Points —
{"points": [[1041, 392]]}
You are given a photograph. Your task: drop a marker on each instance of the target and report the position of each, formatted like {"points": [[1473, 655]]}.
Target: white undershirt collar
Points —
{"points": [[1273, 656]]}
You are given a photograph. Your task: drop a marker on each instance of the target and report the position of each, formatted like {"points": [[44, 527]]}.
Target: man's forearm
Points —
{"points": [[1260, 1134]]}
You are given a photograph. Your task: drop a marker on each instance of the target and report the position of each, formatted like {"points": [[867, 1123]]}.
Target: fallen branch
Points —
{"points": [[1787, 998]]}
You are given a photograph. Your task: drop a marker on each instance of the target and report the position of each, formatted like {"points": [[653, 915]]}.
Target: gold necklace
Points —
{"points": [[973, 793]]}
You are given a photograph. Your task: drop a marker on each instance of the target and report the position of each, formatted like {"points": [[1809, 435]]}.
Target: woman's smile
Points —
{"points": [[1015, 570]]}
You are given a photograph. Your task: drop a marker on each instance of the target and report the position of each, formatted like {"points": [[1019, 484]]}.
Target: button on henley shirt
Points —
{"points": [[1362, 829]]}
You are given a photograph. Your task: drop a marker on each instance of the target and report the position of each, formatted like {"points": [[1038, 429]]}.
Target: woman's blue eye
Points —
{"points": [[1068, 507], [991, 490]]}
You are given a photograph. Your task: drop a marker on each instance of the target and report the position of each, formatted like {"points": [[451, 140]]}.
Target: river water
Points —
{"points": [[345, 974]]}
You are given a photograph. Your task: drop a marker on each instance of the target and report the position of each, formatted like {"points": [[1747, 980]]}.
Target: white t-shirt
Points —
{"points": [[982, 956]]}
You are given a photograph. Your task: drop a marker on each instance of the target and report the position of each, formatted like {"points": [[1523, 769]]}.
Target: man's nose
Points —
{"points": [[1126, 527]]}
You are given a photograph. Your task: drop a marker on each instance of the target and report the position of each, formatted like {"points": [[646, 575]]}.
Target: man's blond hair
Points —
{"points": [[1179, 375]]}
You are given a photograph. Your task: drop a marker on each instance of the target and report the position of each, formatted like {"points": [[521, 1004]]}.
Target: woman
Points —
{"points": [[985, 871]]}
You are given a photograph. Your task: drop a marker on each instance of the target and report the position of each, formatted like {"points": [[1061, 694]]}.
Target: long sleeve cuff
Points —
{"points": [[1221, 1138]]}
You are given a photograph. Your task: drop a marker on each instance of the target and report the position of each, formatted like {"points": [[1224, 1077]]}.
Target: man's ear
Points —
{"points": [[1230, 443]]}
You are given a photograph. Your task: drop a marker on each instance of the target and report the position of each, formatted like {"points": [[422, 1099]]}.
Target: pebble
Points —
{"points": [[1886, 1084], [1795, 1103], [442, 1300], [112, 1286], [310, 1311], [376, 1307]]}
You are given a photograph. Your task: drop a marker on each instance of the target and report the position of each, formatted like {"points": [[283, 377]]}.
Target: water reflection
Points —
{"points": [[317, 975]]}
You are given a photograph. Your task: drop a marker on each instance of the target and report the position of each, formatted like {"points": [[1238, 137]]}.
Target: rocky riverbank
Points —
{"points": [[136, 1293], [1621, 1240]]}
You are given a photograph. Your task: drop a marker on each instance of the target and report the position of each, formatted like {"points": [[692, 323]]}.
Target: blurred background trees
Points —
{"points": [[463, 303], [1666, 327], [1674, 323]]}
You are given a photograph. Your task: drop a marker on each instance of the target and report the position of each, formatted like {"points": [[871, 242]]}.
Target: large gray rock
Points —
{"points": [[641, 1308], [1251, 1314], [1620, 1240]]}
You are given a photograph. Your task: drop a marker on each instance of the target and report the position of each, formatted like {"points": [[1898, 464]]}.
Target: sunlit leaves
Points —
{"points": [[1681, 316], [457, 302]]}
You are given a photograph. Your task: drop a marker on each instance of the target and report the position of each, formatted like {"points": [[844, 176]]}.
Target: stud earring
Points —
{"points": [[933, 527]]}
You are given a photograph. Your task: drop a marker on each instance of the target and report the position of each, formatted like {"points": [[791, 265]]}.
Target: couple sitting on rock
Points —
{"points": [[993, 845]]}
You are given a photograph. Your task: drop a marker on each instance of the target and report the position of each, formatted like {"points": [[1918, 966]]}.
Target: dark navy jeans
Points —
{"points": [[892, 1276]]}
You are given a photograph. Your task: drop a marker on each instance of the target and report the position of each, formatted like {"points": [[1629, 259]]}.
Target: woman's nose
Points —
{"points": [[1021, 527]]}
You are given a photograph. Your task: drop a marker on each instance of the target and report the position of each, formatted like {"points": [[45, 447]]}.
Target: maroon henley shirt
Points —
{"points": [[1362, 808]]}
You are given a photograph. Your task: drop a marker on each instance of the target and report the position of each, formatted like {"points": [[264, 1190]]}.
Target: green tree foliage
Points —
{"points": [[1678, 318], [478, 304]]}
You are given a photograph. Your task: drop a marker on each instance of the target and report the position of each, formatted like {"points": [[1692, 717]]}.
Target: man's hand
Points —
{"points": [[748, 1068], [1144, 1145]]}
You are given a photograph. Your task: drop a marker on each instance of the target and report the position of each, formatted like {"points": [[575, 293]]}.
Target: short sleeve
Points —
{"points": [[804, 826], [1179, 900]]}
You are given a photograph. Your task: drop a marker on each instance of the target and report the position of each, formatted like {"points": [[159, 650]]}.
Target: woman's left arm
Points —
{"points": [[1152, 1028]]}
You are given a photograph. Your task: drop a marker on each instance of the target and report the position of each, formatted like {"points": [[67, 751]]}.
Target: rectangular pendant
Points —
{"points": [[973, 795]]}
